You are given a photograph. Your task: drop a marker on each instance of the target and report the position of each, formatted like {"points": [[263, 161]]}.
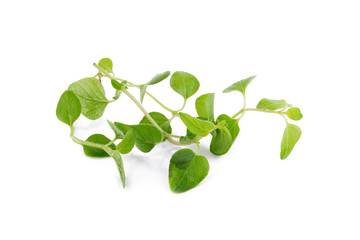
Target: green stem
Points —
{"points": [[147, 115], [242, 109], [160, 103]]}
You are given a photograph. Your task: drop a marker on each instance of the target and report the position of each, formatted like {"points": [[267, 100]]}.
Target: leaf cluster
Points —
{"points": [[186, 168]]}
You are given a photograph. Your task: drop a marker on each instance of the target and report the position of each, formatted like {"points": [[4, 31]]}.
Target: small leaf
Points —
{"points": [[158, 78], [147, 136], [199, 127], [240, 85], [160, 119], [189, 136], [294, 113], [268, 104], [68, 108], [106, 64], [184, 84], [116, 84], [221, 142], [120, 165], [142, 92], [186, 170], [118, 134], [95, 151], [291, 135], [92, 97], [231, 124], [117, 94], [205, 106], [127, 144]]}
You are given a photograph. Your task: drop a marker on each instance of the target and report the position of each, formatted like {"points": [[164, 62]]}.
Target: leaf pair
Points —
{"points": [[186, 170]]}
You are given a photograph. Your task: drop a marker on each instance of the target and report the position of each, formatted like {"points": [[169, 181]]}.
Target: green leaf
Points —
{"points": [[268, 104], [184, 84], [116, 84], [205, 106], [160, 119], [294, 113], [186, 170], [189, 136], [231, 124], [118, 134], [120, 165], [291, 135], [197, 126], [147, 136], [92, 97], [127, 144], [106, 64], [68, 108], [158, 78], [240, 85], [95, 151], [221, 142]]}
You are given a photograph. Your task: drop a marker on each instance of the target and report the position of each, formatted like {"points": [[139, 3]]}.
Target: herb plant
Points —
{"points": [[187, 168]]}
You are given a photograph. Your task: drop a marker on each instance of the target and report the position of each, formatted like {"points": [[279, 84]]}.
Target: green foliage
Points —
{"points": [[240, 85], [147, 136], [197, 126], [106, 64], [184, 84], [92, 151], [120, 166], [127, 144], [186, 170], [205, 106], [92, 97], [268, 104], [294, 113], [68, 109], [160, 119], [116, 84], [290, 137], [158, 78]]}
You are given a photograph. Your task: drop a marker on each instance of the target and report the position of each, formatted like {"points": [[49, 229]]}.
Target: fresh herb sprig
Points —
{"points": [[187, 168]]}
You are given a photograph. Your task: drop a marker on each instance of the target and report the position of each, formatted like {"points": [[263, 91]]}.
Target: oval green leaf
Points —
{"points": [[197, 126], [184, 84], [68, 108], [290, 137], [92, 97], [186, 170], [294, 113], [117, 85], [231, 124], [158, 78], [205, 106], [127, 144], [240, 85], [269, 104], [221, 142], [95, 151], [160, 119], [106, 64]]}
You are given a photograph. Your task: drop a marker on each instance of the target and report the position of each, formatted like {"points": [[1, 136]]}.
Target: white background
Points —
{"points": [[306, 52]]}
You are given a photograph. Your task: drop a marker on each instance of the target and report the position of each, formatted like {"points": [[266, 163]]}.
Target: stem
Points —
{"points": [[138, 104], [241, 110], [82, 142], [160, 103], [198, 148]]}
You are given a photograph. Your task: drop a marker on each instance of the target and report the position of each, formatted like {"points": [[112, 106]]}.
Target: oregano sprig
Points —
{"points": [[187, 168]]}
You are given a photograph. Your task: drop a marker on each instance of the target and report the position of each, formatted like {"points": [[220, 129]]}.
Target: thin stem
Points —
{"points": [[160, 103], [261, 110], [198, 148], [147, 115], [242, 109]]}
